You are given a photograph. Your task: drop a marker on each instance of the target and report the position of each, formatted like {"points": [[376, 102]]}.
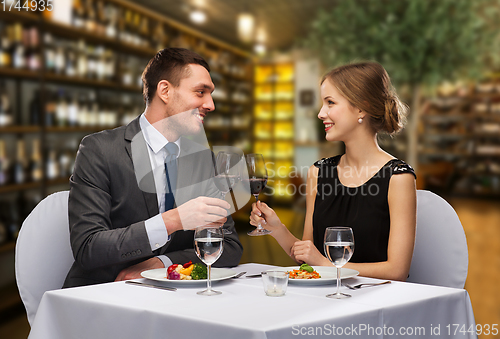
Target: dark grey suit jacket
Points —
{"points": [[107, 206]]}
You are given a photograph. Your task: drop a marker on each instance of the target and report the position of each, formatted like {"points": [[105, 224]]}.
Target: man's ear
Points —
{"points": [[163, 90]]}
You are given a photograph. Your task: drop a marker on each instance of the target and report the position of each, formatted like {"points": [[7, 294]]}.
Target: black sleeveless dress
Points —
{"points": [[364, 208]]}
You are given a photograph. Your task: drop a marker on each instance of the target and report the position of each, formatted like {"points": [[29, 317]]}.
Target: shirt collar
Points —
{"points": [[155, 140]]}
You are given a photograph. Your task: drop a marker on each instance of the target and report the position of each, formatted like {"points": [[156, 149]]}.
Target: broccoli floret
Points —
{"points": [[199, 272]]}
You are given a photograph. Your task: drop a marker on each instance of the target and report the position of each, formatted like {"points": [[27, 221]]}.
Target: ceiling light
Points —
{"points": [[197, 17], [246, 23], [260, 49], [261, 35]]}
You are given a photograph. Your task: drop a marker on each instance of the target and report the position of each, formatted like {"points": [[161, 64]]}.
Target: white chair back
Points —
{"points": [[440, 256], [43, 251]]}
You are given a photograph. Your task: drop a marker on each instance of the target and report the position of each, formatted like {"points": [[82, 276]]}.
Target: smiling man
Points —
{"points": [[138, 191]]}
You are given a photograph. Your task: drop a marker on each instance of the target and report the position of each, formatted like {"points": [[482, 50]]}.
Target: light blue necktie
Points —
{"points": [[171, 172]]}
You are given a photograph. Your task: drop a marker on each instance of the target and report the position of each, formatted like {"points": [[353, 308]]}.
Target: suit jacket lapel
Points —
{"points": [[137, 150]]}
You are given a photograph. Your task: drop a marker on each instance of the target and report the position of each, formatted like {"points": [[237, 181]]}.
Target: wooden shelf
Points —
{"points": [[77, 129], [15, 15], [58, 181], [20, 187], [19, 73], [70, 32], [20, 129]]}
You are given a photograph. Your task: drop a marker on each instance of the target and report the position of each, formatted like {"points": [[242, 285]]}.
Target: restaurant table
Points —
{"points": [[126, 311]]}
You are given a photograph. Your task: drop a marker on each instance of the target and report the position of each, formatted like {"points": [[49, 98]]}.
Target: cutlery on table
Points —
{"points": [[239, 275], [355, 287], [149, 285], [254, 275]]}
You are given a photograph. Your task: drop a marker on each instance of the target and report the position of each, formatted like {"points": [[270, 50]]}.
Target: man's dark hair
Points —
{"points": [[168, 64]]}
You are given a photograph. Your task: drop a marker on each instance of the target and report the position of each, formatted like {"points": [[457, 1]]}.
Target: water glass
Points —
{"points": [[275, 283]]}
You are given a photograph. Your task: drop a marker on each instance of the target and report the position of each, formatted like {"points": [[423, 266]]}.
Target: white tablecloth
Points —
{"points": [[119, 310]]}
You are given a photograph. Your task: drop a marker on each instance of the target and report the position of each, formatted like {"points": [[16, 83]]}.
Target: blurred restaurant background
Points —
{"points": [[74, 68]]}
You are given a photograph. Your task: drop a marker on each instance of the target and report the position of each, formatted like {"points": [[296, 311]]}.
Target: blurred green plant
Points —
{"points": [[419, 42]]}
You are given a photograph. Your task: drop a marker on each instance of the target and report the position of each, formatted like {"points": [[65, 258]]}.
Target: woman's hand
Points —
{"points": [[306, 252], [265, 216]]}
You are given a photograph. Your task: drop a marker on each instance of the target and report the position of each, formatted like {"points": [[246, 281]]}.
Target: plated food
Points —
{"points": [[159, 274], [328, 275], [187, 271], [304, 272]]}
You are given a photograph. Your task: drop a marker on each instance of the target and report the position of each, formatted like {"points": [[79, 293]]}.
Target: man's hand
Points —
{"points": [[134, 272], [197, 212]]}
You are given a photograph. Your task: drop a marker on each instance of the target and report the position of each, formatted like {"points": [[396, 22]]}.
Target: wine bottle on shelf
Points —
{"points": [[71, 61], [50, 53], [64, 164], [100, 63], [110, 65], [73, 111], [91, 23], [136, 29], [111, 20], [52, 166], [126, 34], [77, 18], [60, 59], [18, 55], [19, 167], [91, 62], [144, 32], [81, 63], [6, 117], [5, 42], [93, 112], [36, 166], [4, 164], [83, 110], [62, 109], [33, 55], [159, 37], [50, 110], [101, 23]]}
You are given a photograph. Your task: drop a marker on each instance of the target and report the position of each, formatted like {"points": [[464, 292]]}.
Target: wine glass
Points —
{"points": [[257, 180], [339, 247], [208, 242], [227, 174]]}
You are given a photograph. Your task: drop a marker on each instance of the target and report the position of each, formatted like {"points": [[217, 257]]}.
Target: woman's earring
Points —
{"points": [[360, 120]]}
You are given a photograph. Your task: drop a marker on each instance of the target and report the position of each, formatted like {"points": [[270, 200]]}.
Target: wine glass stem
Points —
{"points": [[259, 226], [338, 280], [209, 282]]}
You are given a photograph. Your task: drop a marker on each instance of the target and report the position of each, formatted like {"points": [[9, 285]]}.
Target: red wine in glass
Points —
{"points": [[257, 180], [257, 185]]}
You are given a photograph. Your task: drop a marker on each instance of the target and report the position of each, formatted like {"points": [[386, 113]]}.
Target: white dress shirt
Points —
{"points": [[155, 227]]}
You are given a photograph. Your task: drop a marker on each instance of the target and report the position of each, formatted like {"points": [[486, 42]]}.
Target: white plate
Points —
{"points": [[328, 275], [160, 274]]}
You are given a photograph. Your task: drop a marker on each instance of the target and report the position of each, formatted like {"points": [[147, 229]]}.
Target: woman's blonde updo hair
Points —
{"points": [[367, 86]]}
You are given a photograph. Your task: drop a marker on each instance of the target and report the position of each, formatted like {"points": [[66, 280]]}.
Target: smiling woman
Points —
{"points": [[366, 188]]}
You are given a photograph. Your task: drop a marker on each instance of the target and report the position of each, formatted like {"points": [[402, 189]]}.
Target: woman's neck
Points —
{"points": [[362, 152]]}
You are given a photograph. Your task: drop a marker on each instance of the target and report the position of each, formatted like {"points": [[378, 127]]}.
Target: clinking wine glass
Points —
{"points": [[208, 245], [257, 180], [227, 174], [339, 247]]}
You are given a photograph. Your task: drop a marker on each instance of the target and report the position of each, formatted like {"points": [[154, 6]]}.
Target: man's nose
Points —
{"points": [[209, 105]]}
